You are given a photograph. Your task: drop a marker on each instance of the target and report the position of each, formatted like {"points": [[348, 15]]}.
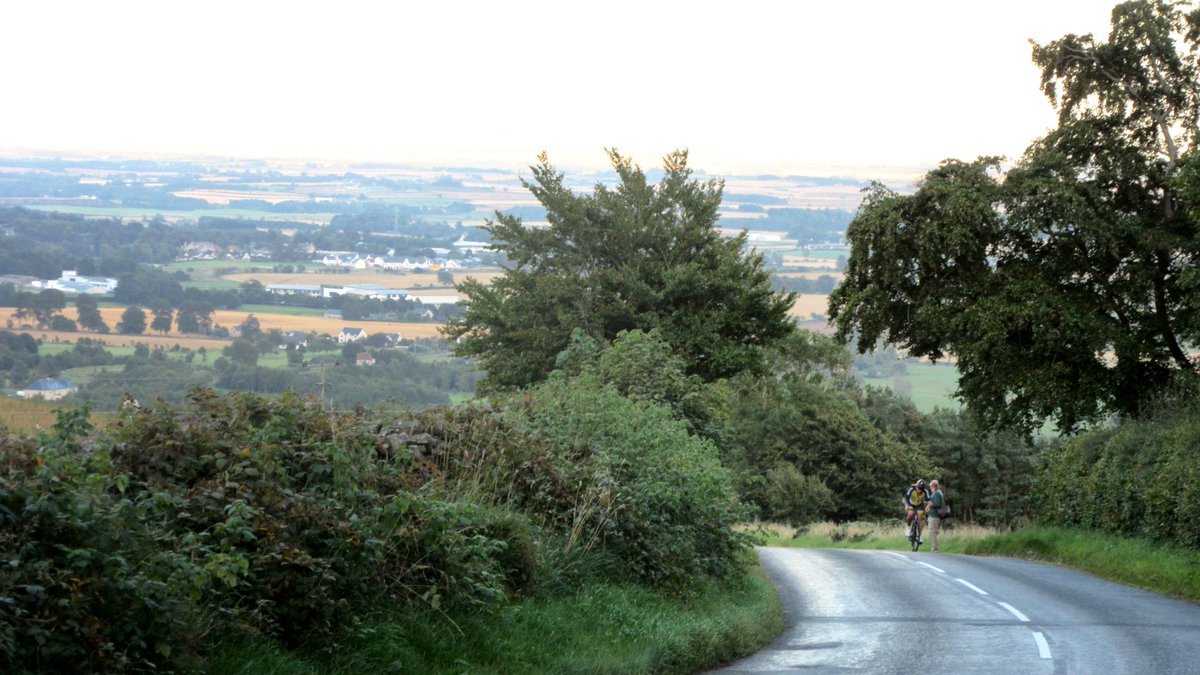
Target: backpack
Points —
{"points": [[944, 512]]}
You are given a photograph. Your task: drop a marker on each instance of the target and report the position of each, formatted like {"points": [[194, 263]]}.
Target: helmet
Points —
{"points": [[921, 482]]}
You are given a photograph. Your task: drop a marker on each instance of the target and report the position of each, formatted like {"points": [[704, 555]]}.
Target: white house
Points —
{"points": [[351, 334]]}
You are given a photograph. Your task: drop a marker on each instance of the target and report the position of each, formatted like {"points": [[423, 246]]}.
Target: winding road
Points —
{"points": [[888, 612]]}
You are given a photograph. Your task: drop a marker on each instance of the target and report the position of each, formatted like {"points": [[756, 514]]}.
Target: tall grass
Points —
{"points": [[599, 628], [954, 537]]}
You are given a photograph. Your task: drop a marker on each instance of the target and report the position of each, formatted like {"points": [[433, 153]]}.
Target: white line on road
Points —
{"points": [[972, 586], [1016, 612], [1043, 647], [897, 555], [935, 569]]}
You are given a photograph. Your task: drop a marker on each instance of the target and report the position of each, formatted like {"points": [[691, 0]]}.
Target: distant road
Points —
{"points": [[886, 612]]}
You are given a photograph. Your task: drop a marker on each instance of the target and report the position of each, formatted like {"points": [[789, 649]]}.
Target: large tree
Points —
{"points": [[638, 256], [133, 321], [89, 313], [1066, 287]]}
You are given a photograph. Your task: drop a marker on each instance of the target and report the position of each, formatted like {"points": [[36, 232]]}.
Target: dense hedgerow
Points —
{"points": [[1140, 479], [140, 548]]}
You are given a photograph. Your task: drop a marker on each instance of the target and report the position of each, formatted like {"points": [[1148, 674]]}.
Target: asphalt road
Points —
{"points": [[887, 612]]}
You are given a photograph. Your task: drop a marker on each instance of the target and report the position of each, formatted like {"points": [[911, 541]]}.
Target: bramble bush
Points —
{"points": [[83, 586]]}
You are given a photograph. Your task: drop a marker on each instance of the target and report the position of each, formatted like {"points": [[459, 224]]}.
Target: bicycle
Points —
{"points": [[914, 532]]}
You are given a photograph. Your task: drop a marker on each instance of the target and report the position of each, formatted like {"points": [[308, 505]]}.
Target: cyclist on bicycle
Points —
{"points": [[915, 498]]}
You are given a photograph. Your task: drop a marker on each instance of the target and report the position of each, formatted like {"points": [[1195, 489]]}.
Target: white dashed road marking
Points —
{"points": [[935, 569], [1015, 612], [972, 586], [1043, 647]]}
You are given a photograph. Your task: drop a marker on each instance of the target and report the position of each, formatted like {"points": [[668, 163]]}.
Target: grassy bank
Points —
{"points": [[600, 628], [1135, 562], [1155, 567]]}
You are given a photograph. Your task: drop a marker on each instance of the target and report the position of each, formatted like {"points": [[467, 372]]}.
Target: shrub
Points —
{"points": [[648, 491]]}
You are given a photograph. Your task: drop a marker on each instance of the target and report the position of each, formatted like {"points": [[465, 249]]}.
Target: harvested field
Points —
{"points": [[808, 304], [322, 325]]}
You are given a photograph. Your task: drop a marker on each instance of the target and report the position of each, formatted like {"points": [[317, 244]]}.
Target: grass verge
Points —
{"points": [[1136, 562], [600, 628]]}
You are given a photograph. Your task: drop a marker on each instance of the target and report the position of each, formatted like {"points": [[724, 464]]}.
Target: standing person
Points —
{"points": [[937, 502]]}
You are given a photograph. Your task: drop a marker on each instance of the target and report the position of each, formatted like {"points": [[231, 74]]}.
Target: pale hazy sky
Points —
{"points": [[851, 87]]}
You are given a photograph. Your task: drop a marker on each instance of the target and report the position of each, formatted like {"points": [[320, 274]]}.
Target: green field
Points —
{"points": [[213, 266], [212, 285], [929, 386], [280, 309], [81, 376]]}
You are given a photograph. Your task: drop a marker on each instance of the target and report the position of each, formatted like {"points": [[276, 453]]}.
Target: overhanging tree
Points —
{"points": [[1066, 287], [639, 256]]}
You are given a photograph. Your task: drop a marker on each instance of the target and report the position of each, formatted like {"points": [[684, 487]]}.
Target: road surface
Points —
{"points": [[888, 612]]}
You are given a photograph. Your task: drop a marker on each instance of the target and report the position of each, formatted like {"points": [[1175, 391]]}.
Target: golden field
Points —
{"points": [[226, 318], [808, 304]]}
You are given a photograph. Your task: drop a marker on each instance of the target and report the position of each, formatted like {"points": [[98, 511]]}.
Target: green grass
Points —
{"points": [[84, 374], [281, 309], [273, 359], [929, 386], [601, 628], [215, 265], [1136, 562], [52, 348]]}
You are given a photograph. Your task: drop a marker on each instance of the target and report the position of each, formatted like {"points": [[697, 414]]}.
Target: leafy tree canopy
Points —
{"points": [[1066, 286], [638, 256]]}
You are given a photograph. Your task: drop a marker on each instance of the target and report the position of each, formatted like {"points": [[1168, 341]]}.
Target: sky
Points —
{"points": [[866, 88]]}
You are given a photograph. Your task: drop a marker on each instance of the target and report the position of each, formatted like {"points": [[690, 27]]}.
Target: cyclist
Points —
{"points": [[915, 498]]}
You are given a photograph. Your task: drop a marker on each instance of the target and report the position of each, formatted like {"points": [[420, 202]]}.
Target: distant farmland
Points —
{"points": [[226, 318], [357, 278]]}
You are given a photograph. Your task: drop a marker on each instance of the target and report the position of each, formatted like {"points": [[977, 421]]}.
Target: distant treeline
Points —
{"points": [[43, 244]]}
